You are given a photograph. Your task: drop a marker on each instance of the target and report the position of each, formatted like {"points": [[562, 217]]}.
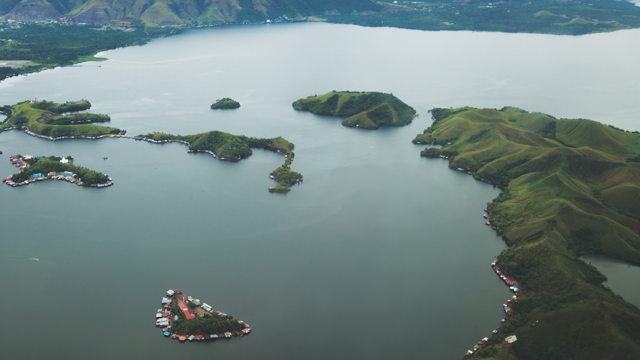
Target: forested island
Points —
{"points": [[570, 188], [225, 103], [36, 168], [367, 110], [229, 147], [53, 121]]}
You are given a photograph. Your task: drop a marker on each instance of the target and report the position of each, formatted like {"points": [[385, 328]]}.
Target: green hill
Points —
{"points": [[175, 12], [368, 110], [231, 147], [571, 187], [225, 103], [44, 118]]}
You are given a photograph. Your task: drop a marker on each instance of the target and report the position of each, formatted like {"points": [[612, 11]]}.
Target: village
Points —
{"points": [[513, 286], [192, 308], [67, 176]]}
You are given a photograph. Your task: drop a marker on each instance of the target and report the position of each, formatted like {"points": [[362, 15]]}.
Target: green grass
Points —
{"points": [[25, 114], [87, 58], [367, 110], [568, 190], [236, 147]]}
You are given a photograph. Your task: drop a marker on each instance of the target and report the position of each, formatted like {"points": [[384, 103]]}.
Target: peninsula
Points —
{"points": [[51, 121], [185, 318], [229, 147], [40, 168], [225, 103], [367, 110], [570, 188]]}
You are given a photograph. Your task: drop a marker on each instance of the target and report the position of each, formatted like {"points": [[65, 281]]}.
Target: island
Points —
{"points": [[185, 318], [229, 147], [53, 121], [366, 110], [225, 103], [570, 188], [40, 168]]}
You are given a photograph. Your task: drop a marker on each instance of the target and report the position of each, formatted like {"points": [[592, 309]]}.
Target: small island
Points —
{"points": [[225, 103], [40, 168], [229, 147], [366, 110], [570, 188], [185, 318], [53, 121]]}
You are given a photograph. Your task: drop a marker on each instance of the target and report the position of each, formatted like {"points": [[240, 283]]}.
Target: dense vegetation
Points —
{"points": [[368, 110], [49, 164], [225, 103], [57, 45], [235, 147], [569, 189], [571, 17], [206, 325], [48, 123], [69, 106]]}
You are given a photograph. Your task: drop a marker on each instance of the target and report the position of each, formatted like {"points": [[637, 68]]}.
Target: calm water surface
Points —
{"points": [[379, 254], [622, 277]]}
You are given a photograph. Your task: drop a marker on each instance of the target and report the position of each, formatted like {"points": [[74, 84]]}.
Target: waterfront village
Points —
{"points": [[20, 162], [514, 287], [191, 308]]}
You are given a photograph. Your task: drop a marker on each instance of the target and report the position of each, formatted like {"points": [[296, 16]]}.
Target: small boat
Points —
{"points": [[487, 223], [105, 158]]}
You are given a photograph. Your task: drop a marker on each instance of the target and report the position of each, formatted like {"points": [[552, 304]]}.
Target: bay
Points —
{"points": [[378, 254]]}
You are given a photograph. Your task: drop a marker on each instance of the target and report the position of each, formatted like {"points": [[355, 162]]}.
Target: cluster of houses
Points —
{"points": [[506, 306], [507, 310], [164, 316], [64, 175]]}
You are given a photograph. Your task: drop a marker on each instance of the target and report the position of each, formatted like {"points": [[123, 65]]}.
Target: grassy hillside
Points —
{"points": [[569, 189], [50, 123], [542, 16], [231, 147], [368, 110]]}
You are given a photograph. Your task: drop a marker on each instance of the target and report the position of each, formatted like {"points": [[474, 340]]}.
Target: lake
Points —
{"points": [[379, 253]]}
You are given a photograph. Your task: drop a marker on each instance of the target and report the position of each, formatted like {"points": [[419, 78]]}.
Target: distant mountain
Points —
{"points": [[174, 12]]}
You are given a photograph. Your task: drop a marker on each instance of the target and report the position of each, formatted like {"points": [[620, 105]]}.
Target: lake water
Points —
{"points": [[379, 254], [622, 277]]}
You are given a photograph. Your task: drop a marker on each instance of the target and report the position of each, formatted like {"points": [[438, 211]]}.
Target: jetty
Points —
{"points": [[178, 307]]}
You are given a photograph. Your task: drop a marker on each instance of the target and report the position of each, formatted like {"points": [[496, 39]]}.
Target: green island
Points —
{"points": [[570, 188], [367, 110], [48, 120], [229, 147], [225, 103], [52, 166]]}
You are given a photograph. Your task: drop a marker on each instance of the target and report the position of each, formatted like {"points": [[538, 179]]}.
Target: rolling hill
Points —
{"points": [[571, 187], [175, 12], [367, 110]]}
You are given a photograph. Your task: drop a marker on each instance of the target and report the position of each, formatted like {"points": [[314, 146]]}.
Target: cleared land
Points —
{"points": [[571, 187]]}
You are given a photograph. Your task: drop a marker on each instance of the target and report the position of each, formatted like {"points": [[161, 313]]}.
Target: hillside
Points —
{"points": [[47, 120], [175, 12], [570, 188], [367, 110]]}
